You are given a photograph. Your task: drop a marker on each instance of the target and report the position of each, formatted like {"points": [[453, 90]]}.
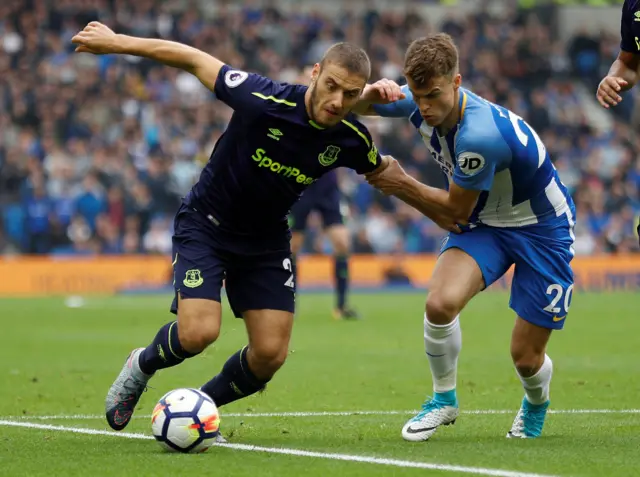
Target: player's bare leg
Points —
{"points": [[534, 368], [339, 236], [456, 279], [269, 335], [251, 368], [198, 326]]}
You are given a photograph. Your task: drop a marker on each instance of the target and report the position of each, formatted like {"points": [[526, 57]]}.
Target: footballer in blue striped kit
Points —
{"points": [[505, 206]]}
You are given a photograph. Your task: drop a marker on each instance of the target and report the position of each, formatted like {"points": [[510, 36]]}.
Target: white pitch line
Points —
{"points": [[330, 413], [294, 452]]}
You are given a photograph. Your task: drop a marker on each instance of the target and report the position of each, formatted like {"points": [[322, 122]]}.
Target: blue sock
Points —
{"points": [[341, 276], [448, 397], [164, 351], [235, 381], [527, 405]]}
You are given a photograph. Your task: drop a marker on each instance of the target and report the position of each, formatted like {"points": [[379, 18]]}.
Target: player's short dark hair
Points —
{"points": [[431, 57], [351, 57]]}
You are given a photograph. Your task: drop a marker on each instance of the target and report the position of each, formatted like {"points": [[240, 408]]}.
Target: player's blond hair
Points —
{"points": [[431, 57], [351, 57]]}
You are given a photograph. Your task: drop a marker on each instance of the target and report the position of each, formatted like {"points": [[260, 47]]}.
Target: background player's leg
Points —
{"points": [[340, 240], [251, 368], [469, 261]]}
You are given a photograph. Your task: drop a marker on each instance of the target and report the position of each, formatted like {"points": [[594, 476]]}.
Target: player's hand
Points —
{"points": [[389, 179], [608, 91], [447, 223], [382, 92], [96, 38]]}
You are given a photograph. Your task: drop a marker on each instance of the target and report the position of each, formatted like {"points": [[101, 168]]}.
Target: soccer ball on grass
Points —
{"points": [[185, 420]]}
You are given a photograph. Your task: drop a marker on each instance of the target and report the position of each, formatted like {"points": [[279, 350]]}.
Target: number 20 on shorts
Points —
{"points": [[558, 293]]}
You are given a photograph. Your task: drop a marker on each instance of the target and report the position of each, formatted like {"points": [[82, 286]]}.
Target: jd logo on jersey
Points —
{"points": [[329, 156], [470, 163], [193, 279]]}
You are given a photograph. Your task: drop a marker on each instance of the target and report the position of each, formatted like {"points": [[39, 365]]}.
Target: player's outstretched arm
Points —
{"points": [[624, 72], [384, 173], [99, 39], [384, 98], [623, 75], [447, 209]]}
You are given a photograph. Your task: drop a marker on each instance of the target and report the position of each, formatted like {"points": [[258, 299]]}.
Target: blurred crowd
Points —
{"points": [[96, 151]]}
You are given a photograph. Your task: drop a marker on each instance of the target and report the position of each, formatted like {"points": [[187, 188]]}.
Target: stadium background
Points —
{"points": [[95, 152]]}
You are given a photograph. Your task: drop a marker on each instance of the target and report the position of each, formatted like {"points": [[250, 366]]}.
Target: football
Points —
{"points": [[185, 420]]}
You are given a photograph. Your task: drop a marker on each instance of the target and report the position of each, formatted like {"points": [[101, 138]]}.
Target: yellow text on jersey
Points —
{"points": [[292, 173]]}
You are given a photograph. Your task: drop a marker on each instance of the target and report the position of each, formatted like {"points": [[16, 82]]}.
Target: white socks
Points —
{"points": [[537, 386], [442, 344]]}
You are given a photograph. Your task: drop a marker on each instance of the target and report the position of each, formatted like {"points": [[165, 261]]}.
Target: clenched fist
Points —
{"points": [[96, 38]]}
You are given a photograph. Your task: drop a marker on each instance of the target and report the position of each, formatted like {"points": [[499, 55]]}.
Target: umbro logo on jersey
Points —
{"points": [[275, 134], [637, 16]]}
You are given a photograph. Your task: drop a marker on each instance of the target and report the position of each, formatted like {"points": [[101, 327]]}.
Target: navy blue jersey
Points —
{"points": [[322, 196], [324, 185], [269, 154], [630, 27]]}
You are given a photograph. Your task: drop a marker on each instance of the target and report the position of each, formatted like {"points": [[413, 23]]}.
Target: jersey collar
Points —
{"points": [[462, 102]]}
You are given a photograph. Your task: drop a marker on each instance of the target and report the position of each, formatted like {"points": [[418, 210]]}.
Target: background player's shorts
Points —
{"points": [[253, 281], [543, 280], [324, 199]]}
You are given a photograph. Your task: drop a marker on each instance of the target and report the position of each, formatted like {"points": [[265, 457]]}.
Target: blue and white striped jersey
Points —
{"points": [[496, 152]]}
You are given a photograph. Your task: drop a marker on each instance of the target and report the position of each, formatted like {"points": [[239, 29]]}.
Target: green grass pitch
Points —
{"points": [[58, 362]]}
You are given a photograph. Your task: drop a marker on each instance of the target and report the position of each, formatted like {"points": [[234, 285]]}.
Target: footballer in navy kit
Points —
{"points": [[324, 196], [625, 70], [232, 225]]}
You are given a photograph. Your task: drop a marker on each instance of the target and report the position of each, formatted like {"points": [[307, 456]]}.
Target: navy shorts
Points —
{"points": [[254, 279], [323, 196]]}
